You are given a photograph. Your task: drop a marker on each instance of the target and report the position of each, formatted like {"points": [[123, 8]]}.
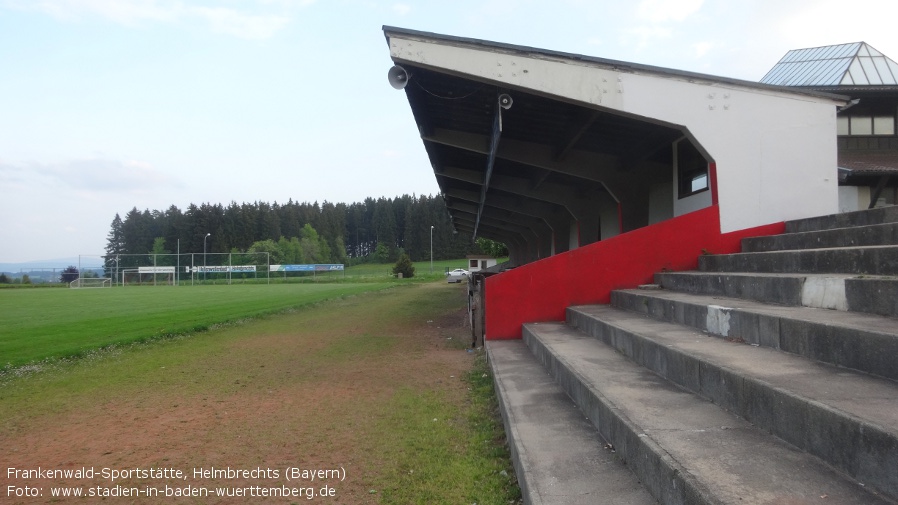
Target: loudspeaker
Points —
{"points": [[398, 77], [505, 101]]}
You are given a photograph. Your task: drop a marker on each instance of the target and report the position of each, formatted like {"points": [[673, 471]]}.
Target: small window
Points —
{"points": [[692, 168], [472, 263], [883, 125], [867, 122], [861, 125], [699, 182]]}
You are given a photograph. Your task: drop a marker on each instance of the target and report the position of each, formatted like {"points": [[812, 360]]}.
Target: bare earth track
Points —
{"points": [[313, 389]]}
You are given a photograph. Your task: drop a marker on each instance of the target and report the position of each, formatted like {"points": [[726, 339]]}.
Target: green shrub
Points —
{"points": [[404, 266]]}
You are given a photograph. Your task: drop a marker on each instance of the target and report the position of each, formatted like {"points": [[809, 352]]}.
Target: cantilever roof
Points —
{"points": [[854, 64]]}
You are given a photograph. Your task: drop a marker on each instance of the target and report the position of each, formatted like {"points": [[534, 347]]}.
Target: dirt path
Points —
{"points": [[302, 390]]}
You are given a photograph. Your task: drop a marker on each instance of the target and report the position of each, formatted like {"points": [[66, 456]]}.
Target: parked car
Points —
{"points": [[457, 275]]}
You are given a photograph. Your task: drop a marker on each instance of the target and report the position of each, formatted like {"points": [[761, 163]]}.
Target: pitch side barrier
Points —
{"points": [[227, 269], [314, 269]]}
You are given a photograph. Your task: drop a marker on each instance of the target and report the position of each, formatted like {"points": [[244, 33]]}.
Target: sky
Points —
{"points": [[107, 105]]}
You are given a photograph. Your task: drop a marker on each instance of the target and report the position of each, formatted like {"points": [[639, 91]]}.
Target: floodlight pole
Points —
{"points": [[204, 256], [431, 248]]}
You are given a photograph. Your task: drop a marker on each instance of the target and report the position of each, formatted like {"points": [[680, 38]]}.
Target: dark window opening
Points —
{"points": [[692, 169]]}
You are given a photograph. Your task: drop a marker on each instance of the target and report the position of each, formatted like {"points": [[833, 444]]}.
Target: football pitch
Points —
{"points": [[356, 397], [37, 324]]}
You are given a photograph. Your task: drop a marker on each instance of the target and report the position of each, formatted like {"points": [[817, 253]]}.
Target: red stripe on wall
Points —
{"points": [[542, 290], [712, 179]]}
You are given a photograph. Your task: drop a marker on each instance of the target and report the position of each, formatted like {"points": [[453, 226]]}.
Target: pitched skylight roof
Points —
{"points": [[855, 64]]}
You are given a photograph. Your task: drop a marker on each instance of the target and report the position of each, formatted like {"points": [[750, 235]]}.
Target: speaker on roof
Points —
{"points": [[398, 77], [505, 101]]}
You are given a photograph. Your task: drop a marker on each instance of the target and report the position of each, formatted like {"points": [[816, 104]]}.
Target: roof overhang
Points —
{"points": [[571, 145]]}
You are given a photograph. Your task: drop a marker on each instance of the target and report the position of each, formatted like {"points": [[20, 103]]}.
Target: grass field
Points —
{"points": [[377, 384], [40, 324], [36, 324]]}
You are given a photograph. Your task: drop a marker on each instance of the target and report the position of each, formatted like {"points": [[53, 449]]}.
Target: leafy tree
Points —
{"points": [[381, 253], [69, 274], [270, 246], [491, 247], [4, 279], [159, 246], [404, 266], [26, 279], [338, 254], [291, 250], [310, 243]]}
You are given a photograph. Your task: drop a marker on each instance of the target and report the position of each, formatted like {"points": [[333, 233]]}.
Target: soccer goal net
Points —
{"points": [[152, 276], [91, 282]]}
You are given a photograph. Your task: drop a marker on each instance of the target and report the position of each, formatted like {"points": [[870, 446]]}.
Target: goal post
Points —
{"points": [[154, 276], [91, 282], [167, 269]]}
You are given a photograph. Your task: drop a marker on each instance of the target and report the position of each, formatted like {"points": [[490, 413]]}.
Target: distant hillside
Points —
{"points": [[59, 263]]}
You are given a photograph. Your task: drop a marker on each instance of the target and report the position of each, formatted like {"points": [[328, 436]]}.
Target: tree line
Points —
{"points": [[378, 230]]}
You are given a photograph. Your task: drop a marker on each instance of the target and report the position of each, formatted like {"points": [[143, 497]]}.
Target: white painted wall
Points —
{"points": [[775, 150], [852, 198], [475, 263]]}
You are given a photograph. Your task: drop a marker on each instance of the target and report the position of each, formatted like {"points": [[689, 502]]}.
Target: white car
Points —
{"points": [[457, 275]]}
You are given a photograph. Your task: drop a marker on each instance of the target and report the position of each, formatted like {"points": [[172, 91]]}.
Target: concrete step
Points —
{"points": [[862, 342], [871, 235], [559, 457], [871, 260], [847, 419], [685, 449], [869, 294], [858, 218]]}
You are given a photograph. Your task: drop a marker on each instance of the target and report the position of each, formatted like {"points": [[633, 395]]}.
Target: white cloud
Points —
{"points": [[287, 3], [257, 20], [12, 176], [126, 12], [240, 24], [645, 36], [402, 9], [702, 48], [661, 11], [89, 176]]}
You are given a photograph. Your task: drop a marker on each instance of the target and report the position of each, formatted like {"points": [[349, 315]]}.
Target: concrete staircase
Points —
{"points": [[766, 377]]}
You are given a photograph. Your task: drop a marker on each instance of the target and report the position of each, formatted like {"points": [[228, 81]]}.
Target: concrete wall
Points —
{"points": [[852, 198], [609, 221], [661, 202], [573, 239], [490, 262]]}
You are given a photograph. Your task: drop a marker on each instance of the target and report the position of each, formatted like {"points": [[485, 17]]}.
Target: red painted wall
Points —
{"points": [[542, 290]]}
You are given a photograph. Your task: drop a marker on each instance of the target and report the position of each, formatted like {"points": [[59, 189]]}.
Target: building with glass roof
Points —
{"points": [[867, 140]]}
